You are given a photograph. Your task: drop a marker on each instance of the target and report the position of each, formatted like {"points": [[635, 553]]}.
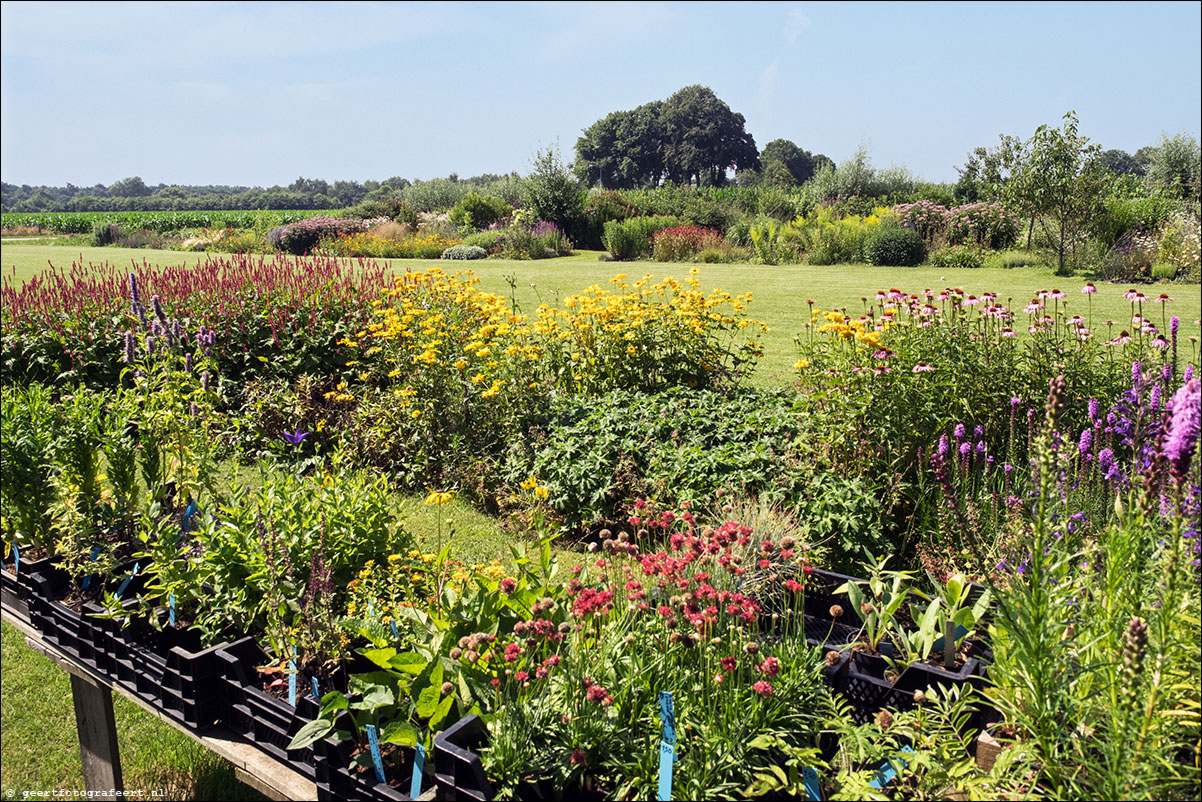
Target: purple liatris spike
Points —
{"points": [[1154, 399], [1136, 372], [1174, 323], [965, 449], [944, 445], [156, 304], [1085, 444], [1166, 372], [959, 431], [1184, 426], [979, 431], [1188, 374], [1093, 409]]}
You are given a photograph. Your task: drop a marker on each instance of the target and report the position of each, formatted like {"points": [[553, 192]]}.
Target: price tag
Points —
{"points": [[87, 580], [128, 579], [667, 746]]}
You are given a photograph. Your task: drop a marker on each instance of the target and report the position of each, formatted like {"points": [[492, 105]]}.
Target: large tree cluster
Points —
{"points": [[690, 138]]}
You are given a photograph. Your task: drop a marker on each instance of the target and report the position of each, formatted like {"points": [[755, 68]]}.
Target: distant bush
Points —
{"points": [[104, 233], [303, 236], [425, 246], [957, 256], [491, 241], [464, 252], [393, 208], [1121, 217], [631, 239], [1012, 259], [479, 211], [679, 243], [927, 218], [895, 247], [987, 225]]}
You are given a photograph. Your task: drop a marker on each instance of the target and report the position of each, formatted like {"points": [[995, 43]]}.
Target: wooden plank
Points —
{"points": [[271, 778], [97, 739]]}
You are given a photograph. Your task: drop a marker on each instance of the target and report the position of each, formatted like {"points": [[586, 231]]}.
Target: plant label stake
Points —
{"points": [[87, 580], [316, 692], [292, 679], [809, 781], [419, 765], [667, 746], [373, 740], [887, 773], [395, 634], [171, 609], [16, 560], [128, 579]]}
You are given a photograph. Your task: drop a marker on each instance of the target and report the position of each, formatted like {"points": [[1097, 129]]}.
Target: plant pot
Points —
{"points": [[338, 779], [458, 772], [262, 719], [14, 591], [820, 597]]}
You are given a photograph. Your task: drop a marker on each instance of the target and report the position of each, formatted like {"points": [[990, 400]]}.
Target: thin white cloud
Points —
{"points": [[767, 84], [795, 23]]}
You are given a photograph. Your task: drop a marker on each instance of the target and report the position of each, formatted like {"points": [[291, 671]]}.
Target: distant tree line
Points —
{"points": [[133, 194]]}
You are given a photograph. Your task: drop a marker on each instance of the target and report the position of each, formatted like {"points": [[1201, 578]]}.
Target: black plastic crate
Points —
{"points": [[820, 597], [337, 779], [14, 591], [458, 773], [262, 719], [72, 634]]}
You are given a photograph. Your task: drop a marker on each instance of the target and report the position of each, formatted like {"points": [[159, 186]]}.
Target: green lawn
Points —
{"points": [[780, 292], [41, 752]]}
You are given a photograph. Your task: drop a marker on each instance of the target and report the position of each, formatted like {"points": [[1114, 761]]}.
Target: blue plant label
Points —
{"points": [[667, 746], [316, 692], [396, 635], [87, 580], [127, 580], [667, 715], [171, 609], [419, 766], [189, 514], [373, 740], [16, 559], [292, 683], [667, 757], [809, 781], [887, 773]]}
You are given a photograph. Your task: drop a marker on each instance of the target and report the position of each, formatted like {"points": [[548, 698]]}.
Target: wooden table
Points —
{"points": [[98, 749]]}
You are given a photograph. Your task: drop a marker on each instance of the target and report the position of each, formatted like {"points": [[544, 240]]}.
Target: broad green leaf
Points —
{"points": [[409, 662], [311, 733], [401, 733], [380, 657]]}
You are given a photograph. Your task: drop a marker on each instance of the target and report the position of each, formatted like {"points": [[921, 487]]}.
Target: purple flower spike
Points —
{"points": [[944, 445], [959, 431], [1086, 442], [1184, 427]]}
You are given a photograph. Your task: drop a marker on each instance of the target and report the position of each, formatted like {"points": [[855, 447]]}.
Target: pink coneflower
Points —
{"points": [[972, 300], [1130, 295], [1034, 307], [1056, 295], [922, 367], [1009, 333], [1159, 341], [1164, 298], [1088, 289]]}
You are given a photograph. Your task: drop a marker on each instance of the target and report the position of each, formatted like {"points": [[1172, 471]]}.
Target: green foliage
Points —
{"points": [[957, 256], [1175, 167], [674, 446], [703, 138], [1120, 217], [845, 512], [464, 252], [895, 247], [631, 239], [622, 150], [104, 233], [553, 193], [479, 211]]}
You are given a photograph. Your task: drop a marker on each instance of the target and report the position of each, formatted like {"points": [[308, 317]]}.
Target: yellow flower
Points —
{"points": [[528, 484], [541, 492], [439, 497], [801, 364]]}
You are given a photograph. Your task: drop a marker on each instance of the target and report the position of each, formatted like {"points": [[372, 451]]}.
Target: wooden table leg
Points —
{"points": [[97, 729]]}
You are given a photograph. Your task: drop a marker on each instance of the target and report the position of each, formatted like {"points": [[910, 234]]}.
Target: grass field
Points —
{"points": [[780, 292]]}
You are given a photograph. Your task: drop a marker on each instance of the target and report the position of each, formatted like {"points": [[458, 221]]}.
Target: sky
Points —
{"points": [[258, 94]]}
